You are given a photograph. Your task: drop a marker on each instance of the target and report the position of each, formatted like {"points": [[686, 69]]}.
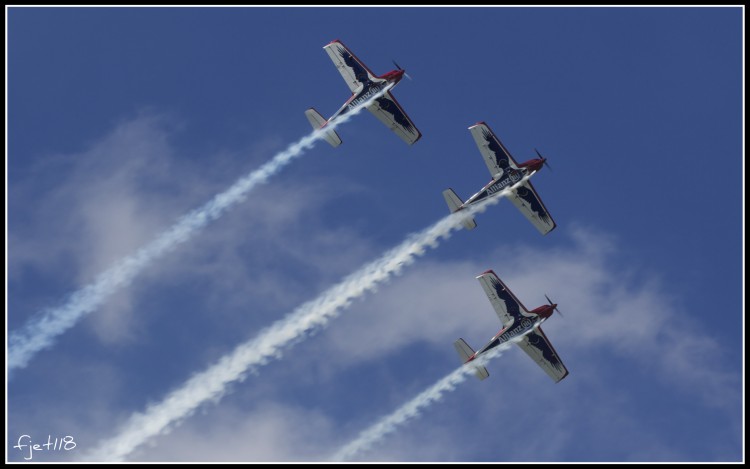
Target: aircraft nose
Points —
{"points": [[402, 73]]}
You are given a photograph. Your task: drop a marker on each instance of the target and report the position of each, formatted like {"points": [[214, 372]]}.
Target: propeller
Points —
{"points": [[543, 159], [555, 305], [399, 67]]}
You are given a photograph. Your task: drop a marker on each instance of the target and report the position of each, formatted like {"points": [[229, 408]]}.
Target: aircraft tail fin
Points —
{"points": [[466, 352], [317, 122], [454, 204]]}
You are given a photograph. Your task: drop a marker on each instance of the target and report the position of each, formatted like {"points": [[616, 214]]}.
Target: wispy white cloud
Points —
{"points": [[39, 332], [426, 306], [433, 304], [212, 383], [412, 409], [72, 215], [270, 431], [629, 315]]}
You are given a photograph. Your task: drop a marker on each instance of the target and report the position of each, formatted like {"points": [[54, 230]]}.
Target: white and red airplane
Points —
{"points": [[517, 322], [364, 85], [505, 173]]}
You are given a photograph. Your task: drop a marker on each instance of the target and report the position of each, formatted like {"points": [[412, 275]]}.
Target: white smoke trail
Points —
{"points": [[39, 332], [412, 408], [212, 383]]}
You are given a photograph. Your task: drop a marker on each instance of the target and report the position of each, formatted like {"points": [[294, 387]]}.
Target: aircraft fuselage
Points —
{"points": [[370, 89], [509, 177], [519, 328], [515, 330]]}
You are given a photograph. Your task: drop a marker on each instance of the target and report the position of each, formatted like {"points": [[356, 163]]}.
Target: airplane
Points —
{"points": [[517, 321], [364, 85], [505, 172]]}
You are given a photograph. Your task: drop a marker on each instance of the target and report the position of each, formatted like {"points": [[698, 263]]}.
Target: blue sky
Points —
{"points": [[120, 120]]}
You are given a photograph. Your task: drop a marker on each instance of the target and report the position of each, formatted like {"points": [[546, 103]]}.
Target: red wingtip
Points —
{"points": [[335, 40], [478, 123]]}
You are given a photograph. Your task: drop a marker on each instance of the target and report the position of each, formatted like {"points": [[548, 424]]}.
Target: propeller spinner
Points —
{"points": [[554, 305], [399, 67], [543, 159]]}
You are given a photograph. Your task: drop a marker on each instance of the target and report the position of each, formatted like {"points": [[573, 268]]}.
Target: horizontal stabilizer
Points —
{"points": [[454, 204], [466, 352], [317, 122]]}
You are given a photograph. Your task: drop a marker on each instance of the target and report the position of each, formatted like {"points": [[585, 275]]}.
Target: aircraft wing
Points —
{"points": [[506, 305], [354, 72], [537, 346], [529, 203], [495, 155], [388, 111]]}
